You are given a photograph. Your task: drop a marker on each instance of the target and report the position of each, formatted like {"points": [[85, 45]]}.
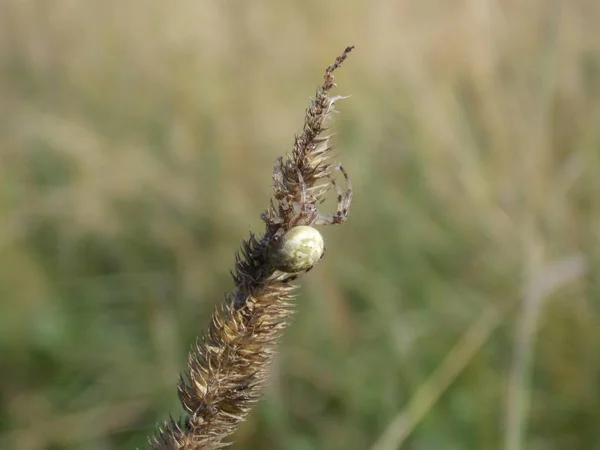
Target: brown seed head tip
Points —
{"points": [[337, 63]]}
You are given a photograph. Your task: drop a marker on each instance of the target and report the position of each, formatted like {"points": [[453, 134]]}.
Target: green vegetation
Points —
{"points": [[456, 309]]}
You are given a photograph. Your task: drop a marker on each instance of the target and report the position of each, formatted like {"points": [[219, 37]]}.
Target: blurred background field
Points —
{"points": [[458, 308]]}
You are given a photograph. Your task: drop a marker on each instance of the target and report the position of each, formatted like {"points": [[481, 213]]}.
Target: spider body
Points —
{"points": [[297, 250], [299, 246]]}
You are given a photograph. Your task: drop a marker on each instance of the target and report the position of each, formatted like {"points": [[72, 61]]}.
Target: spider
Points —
{"points": [[302, 246]]}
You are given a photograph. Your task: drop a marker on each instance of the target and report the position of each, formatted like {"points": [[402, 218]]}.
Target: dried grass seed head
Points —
{"points": [[228, 368]]}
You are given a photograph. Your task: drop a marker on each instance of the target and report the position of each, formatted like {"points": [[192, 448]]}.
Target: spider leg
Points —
{"points": [[344, 204], [344, 199], [326, 219], [302, 186], [271, 220], [340, 198], [305, 211], [278, 178]]}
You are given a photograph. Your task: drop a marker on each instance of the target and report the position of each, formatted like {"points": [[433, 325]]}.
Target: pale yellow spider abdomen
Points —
{"points": [[298, 249]]}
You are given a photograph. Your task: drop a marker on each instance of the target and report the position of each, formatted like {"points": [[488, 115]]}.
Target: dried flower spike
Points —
{"points": [[229, 365]]}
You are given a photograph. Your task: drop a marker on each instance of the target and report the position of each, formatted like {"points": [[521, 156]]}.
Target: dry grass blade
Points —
{"points": [[553, 277], [517, 410], [229, 365]]}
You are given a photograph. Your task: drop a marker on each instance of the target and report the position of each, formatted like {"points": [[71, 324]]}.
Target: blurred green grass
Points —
{"points": [[136, 149]]}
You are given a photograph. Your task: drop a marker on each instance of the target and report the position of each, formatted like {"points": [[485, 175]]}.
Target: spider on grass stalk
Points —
{"points": [[299, 246]]}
